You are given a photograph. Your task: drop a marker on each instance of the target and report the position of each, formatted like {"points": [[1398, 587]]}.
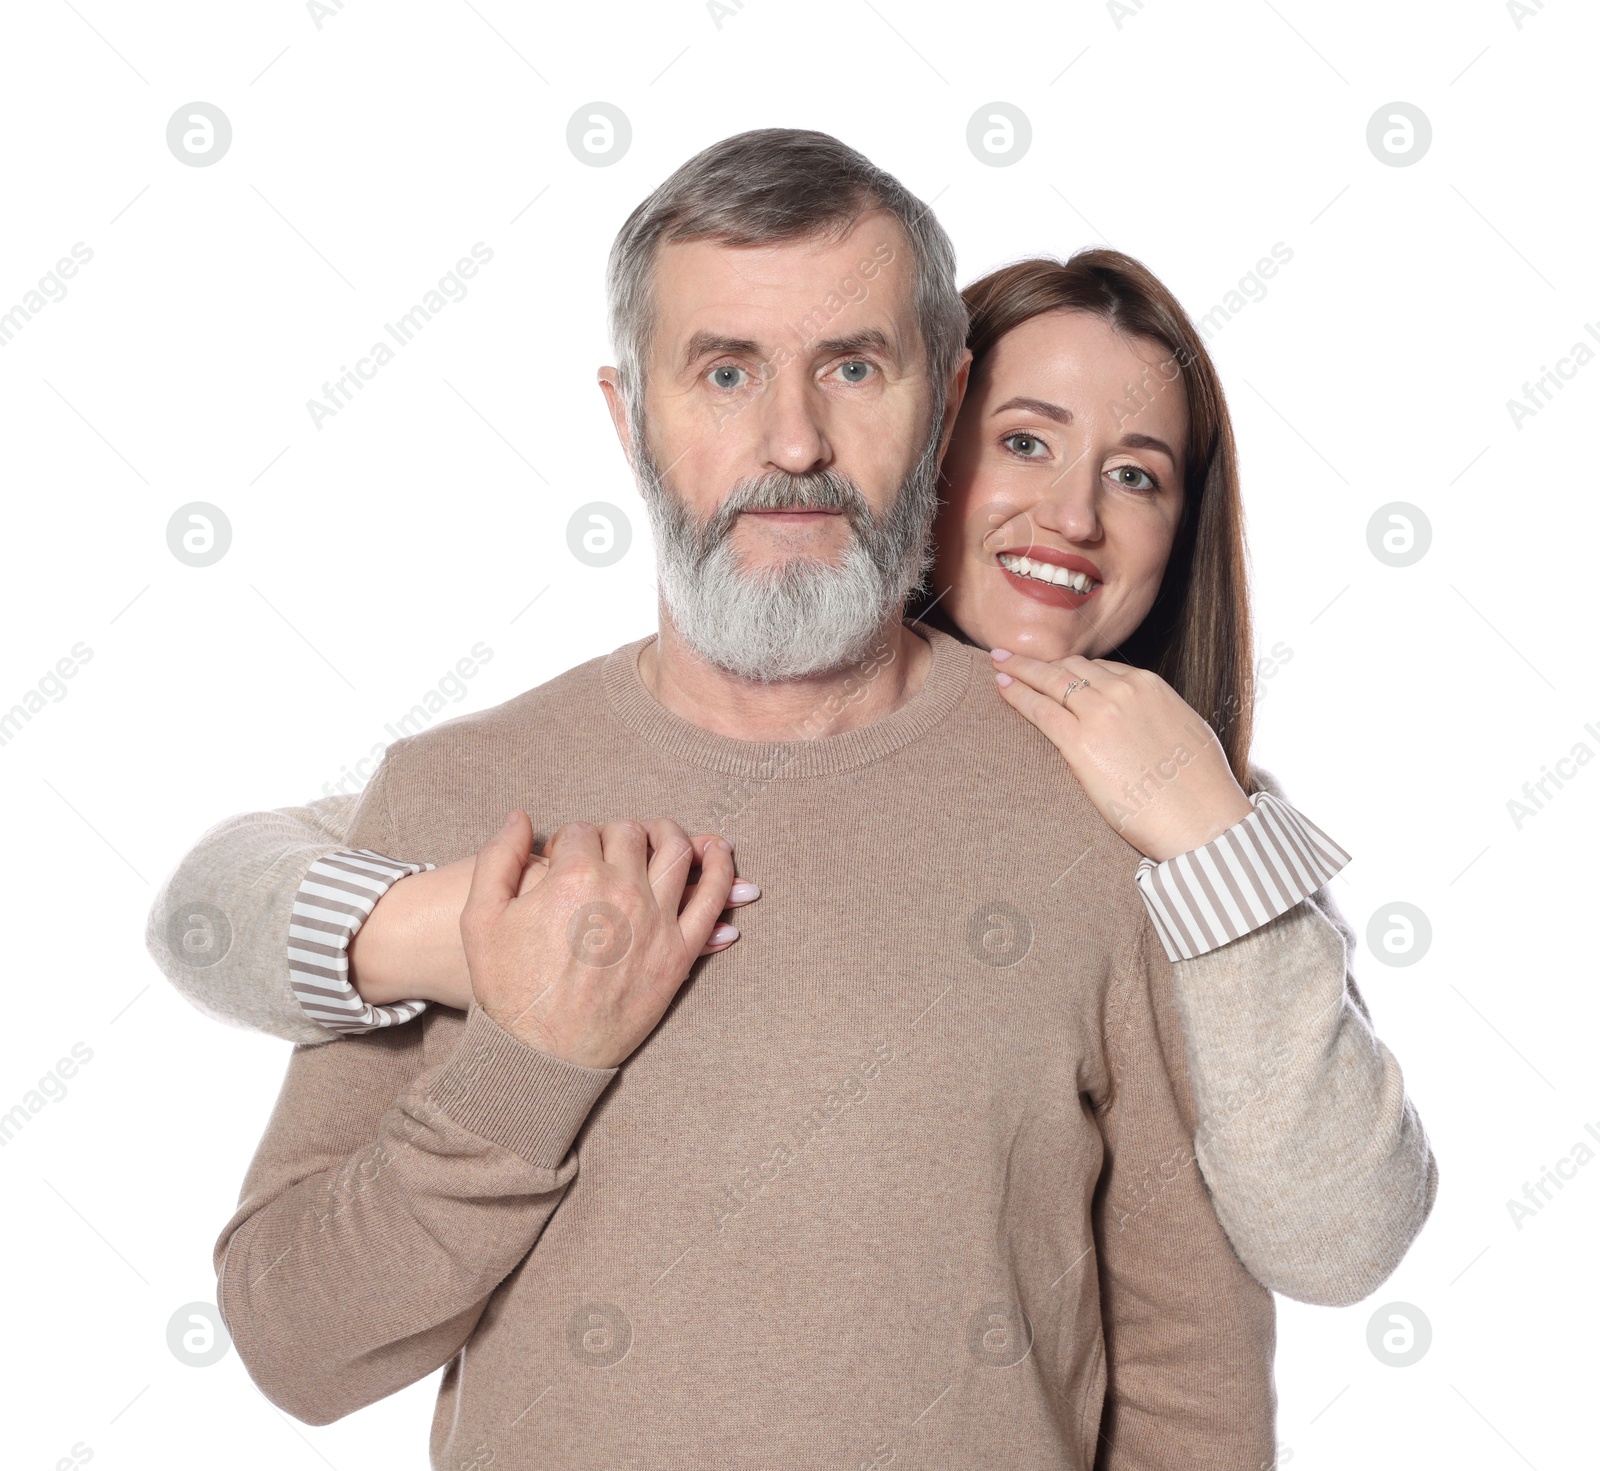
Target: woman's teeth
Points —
{"points": [[1047, 572]]}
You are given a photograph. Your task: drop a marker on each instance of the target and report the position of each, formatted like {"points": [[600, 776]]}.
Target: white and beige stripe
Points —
{"points": [[1261, 867], [335, 897]]}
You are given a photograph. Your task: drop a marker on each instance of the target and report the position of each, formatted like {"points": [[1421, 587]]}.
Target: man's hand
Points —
{"points": [[410, 945], [584, 962]]}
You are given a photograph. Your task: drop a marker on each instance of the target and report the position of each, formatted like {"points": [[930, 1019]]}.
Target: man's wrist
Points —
{"points": [[595, 1053], [515, 1095]]}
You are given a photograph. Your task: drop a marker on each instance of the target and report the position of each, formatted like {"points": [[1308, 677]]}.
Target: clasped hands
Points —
{"points": [[579, 950]]}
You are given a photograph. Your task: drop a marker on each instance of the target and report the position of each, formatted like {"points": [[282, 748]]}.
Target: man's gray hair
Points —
{"points": [[769, 187]]}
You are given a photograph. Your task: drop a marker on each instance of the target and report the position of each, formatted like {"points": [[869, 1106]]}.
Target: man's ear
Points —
{"points": [[955, 393], [617, 406]]}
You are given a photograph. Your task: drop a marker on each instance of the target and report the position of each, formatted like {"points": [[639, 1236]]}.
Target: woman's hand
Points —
{"points": [[1152, 766], [409, 947]]}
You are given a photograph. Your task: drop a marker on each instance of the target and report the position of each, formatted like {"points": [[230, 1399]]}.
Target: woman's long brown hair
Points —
{"points": [[1197, 635]]}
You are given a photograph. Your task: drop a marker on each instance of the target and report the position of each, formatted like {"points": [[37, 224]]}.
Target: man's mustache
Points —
{"points": [[824, 490]]}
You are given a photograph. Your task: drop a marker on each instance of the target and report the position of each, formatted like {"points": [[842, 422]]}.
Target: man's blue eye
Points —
{"points": [[726, 377], [855, 372]]}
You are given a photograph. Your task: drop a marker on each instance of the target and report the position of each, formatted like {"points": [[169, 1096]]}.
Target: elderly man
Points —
{"points": [[903, 1174]]}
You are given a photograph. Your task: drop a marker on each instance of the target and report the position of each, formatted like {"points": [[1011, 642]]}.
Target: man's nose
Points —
{"points": [[793, 429]]}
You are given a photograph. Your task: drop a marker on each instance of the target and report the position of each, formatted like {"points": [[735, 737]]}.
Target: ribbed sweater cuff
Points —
{"points": [[514, 1095]]}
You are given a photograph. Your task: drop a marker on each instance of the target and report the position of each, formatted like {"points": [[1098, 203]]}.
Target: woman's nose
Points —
{"points": [[1070, 505]]}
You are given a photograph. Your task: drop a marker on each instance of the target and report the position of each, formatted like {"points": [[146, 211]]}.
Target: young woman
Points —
{"points": [[1091, 536]]}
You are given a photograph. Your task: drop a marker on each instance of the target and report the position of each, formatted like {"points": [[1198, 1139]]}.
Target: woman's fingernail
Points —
{"points": [[743, 891], [511, 822], [1000, 655], [1003, 680], [723, 933]]}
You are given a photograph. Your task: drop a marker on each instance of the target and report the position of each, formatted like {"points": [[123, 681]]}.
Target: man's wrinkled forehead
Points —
{"points": [[832, 287]]}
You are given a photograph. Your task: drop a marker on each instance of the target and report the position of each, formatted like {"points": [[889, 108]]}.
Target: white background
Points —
{"points": [[371, 153]]}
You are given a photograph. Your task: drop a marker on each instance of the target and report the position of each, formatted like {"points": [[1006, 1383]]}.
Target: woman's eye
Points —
{"points": [[728, 377], [854, 372], [1029, 446], [1131, 477]]}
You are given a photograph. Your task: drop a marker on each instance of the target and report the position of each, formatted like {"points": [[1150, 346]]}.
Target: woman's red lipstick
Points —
{"points": [[1048, 592]]}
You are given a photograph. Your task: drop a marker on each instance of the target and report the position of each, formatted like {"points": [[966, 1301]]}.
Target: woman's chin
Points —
{"points": [[1038, 638], [1034, 629], [1036, 643], [1090, 632], [1047, 649]]}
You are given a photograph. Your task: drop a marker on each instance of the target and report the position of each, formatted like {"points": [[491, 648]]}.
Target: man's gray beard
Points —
{"points": [[803, 617]]}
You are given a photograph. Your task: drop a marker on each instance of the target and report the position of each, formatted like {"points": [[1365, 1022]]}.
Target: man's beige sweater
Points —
{"points": [[906, 1174]]}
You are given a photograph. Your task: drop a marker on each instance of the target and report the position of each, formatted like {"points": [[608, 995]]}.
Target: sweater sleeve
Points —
{"points": [[220, 922], [254, 925], [1185, 1385], [1316, 1159], [387, 1202]]}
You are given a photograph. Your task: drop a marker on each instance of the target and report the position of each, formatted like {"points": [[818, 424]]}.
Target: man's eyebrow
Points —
{"points": [[703, 344], [1149, 441], [1037, 406], [869, 339]]}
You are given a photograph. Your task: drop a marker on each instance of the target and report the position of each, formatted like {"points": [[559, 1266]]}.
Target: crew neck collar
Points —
{"points": [[948, 677]]}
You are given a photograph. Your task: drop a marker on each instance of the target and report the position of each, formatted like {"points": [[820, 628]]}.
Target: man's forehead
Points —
{"points": [[866, 271]]}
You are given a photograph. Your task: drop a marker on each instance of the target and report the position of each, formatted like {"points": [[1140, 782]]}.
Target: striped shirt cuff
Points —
{"points": [[334, 899], [1261, 867]]}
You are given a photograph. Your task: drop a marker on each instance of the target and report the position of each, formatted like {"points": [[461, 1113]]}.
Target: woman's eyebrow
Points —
{"points": [[1037, 406], [1148, 441]]}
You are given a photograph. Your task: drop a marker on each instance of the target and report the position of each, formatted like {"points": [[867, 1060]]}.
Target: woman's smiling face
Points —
{"points": [[1063, 488]]}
